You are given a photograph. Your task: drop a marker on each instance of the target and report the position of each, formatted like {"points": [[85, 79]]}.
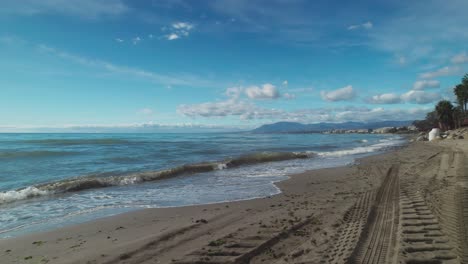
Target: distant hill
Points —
{"points": [[293, 127]]}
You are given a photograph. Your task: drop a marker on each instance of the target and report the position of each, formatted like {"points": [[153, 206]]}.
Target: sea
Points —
{"points": [[54, 180]]}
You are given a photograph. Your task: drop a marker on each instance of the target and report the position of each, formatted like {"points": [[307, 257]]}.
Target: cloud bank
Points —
{"points": [[445, 71], [460, 58], [388, 98], [424, 84], [343, 94], [266, 91]]}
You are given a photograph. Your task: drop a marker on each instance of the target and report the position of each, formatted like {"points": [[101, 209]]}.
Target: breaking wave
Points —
{"points": [[94, 182], [384, 144], [106, 180], [29, 192]]}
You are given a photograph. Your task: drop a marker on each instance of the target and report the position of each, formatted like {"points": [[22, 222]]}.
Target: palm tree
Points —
{"points": [[457, 116], [465, 80], [444, 111], [461, 92], [464, 89]]}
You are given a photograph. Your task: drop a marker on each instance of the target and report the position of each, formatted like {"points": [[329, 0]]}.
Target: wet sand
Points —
{"points": [[405, 206]]}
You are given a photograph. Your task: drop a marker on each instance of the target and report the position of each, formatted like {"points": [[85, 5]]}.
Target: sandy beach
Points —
{"points": [[405, 206]]}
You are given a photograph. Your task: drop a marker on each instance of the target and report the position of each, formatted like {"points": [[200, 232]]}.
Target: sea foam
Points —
{"points": [[95, 182], [384, 144], [29, 192]]}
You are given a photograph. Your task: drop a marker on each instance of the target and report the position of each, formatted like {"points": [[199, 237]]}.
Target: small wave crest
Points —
{"points": [[362, 140], [21, 194], [222, 166], [384, 144], [100, 181], [106, 180], [265, 157]]}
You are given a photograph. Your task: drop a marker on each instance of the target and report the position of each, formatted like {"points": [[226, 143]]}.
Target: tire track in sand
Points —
{"points": [[432, 219], [422, 238], [452, 204], [348, 235], [379, 236], [241, 246]]}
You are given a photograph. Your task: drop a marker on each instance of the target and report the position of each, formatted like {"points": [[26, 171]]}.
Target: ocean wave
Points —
{"points": [[263, 157], [21, 194], [362, 141], [383, 145], [107, 180], [33, 154], [100, 181]]}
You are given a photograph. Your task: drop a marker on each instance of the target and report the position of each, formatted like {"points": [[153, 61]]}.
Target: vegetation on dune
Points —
{"points": [[447, 115]]}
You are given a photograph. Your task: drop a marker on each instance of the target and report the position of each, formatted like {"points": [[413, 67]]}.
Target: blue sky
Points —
{"points": [[225, 63]]}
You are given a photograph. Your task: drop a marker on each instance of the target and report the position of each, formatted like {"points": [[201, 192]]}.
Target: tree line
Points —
{"points": [[446, 115]]}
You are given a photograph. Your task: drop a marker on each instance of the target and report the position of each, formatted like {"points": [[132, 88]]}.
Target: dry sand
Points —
{"points": [[406, 206]]}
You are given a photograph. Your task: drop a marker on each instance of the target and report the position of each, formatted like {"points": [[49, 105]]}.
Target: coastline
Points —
{"points": [[306, 223], [321, 195], [57, 203]]}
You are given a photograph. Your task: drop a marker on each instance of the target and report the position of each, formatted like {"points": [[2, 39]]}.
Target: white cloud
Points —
{"points": [[445, 71], [420, 97], [422, 29], [248, 111], [234, 92], [230, 107], [412, 26], [136, 40], [421, 85], [81, 8], [178, 30], [388, 98], [460, 58], [181, 79], [380, 114], [413, 96], [367, 25], [342, 94], [172, 36], [119, 40], [236, 106], [267, 91], [182, 26], [285, 83]]}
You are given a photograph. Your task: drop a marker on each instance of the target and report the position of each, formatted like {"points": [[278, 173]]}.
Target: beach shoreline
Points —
{"points": [[300, 224], [58, 191]]}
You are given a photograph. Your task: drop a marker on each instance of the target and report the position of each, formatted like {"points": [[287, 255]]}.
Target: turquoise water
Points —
{"points": [[50, 180]]}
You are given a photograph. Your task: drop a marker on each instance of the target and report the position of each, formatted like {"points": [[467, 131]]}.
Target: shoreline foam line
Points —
{"points": [[95, 182]]}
